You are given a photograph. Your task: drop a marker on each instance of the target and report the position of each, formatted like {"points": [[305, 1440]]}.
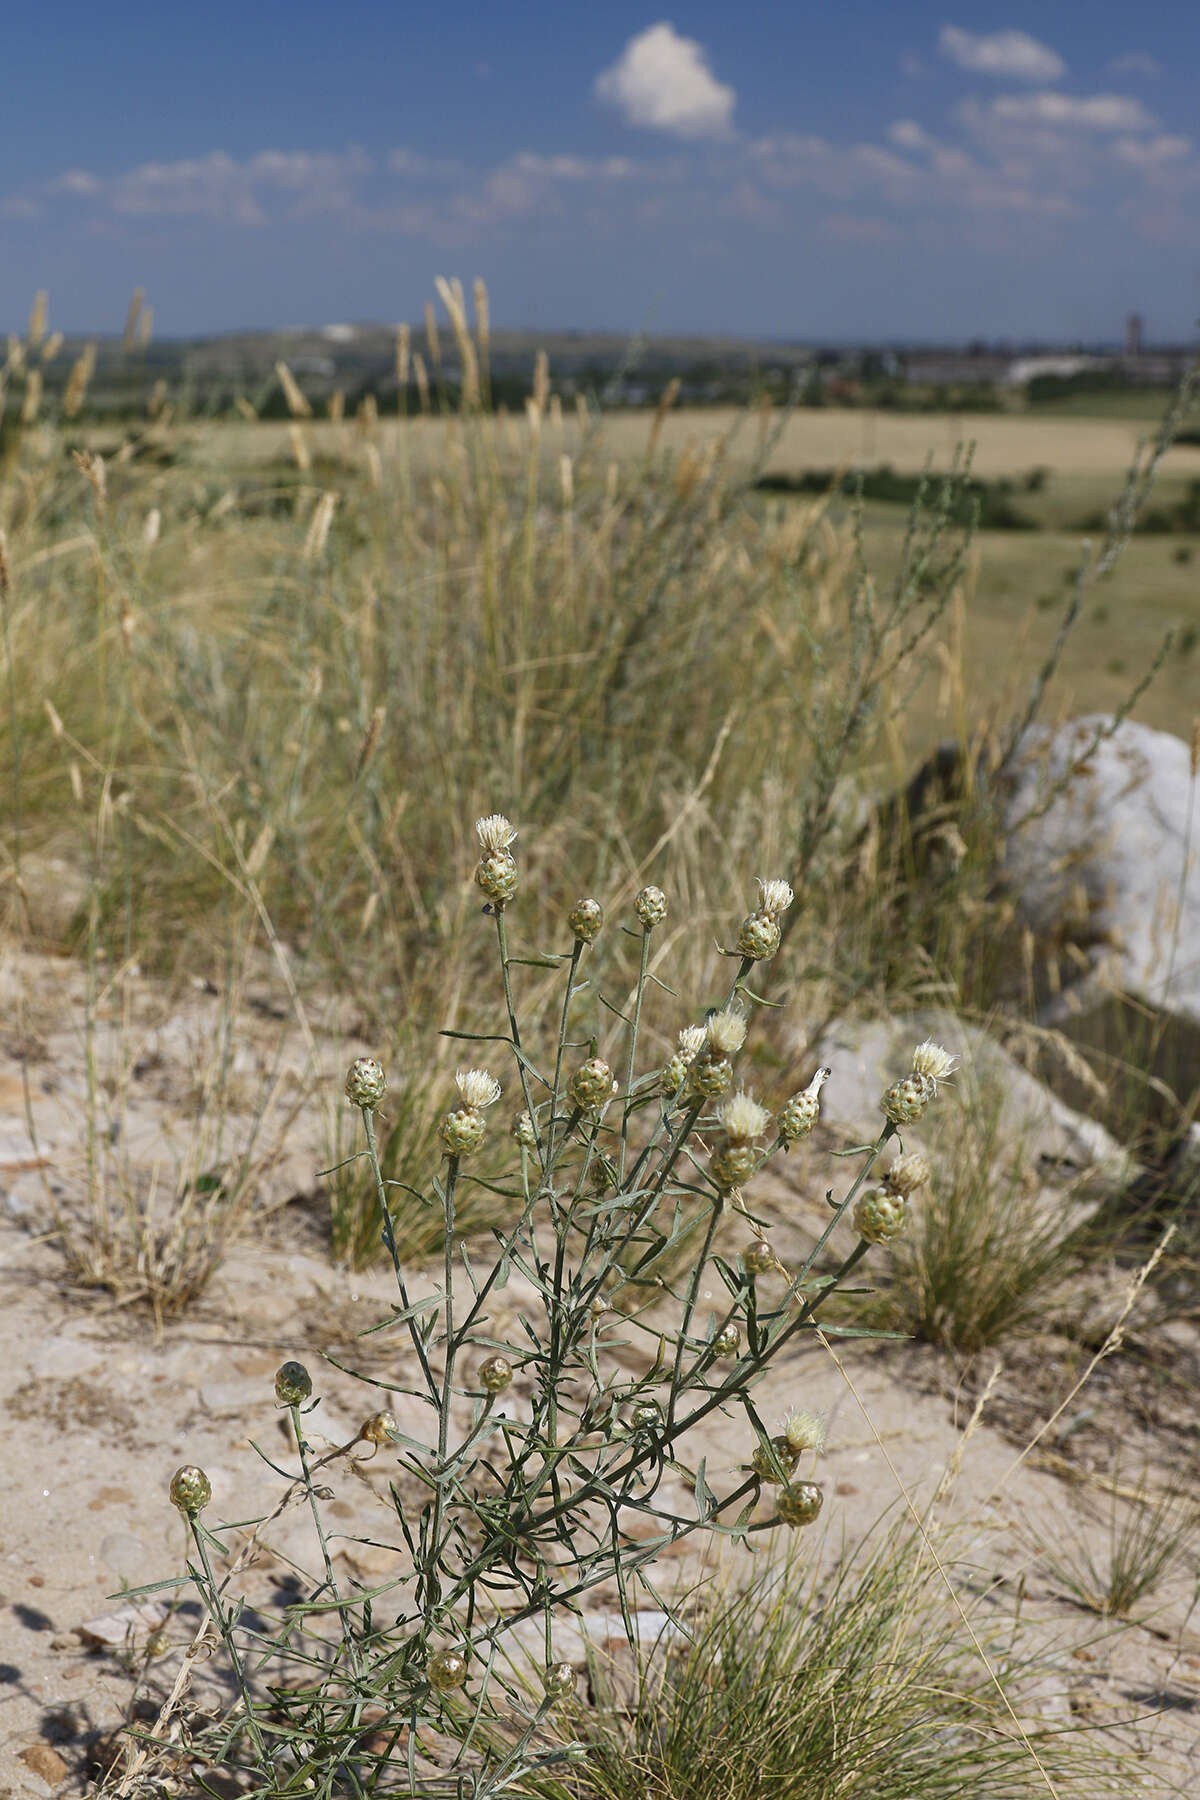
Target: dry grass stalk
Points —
{"points": [[432, 341], [297, 403], [37, 319], [136, 301]]}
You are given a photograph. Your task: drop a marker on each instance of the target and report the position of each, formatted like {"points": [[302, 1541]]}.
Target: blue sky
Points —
{"points": [[761, 168]]}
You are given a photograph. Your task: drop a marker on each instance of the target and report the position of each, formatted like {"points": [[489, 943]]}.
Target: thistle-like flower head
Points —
{"points": [[907, 1173], [478, 1087], [804, 1430], [727, 1031], [692, 1040], [774, 897], [495, 833], [741, 1118], [930, 1059]]}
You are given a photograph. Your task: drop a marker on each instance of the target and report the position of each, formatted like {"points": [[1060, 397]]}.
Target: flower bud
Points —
{"points": [[758, 1258], [907, 1174], [651, 907], [586, 918], [709, 1076], [800, 1502], [880, 1215], [799, 1114], [366, 1083], [496, 877], [591, 1085], [495, 1374], [191, 1490], [727, 1342], [905, 1101], [446, 1670], [558, 1679], [462, 1131], [732, 1165], [293, 1384], [524, 1132], [644, 1414], [776, 1463]]}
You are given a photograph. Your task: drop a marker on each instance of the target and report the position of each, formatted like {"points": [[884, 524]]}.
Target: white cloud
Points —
{"points": [[1136, 62], [906, 134], [575, 168], [1070, 112], [662, 81], [1012, 55], [75, 181], [1151, 153]]}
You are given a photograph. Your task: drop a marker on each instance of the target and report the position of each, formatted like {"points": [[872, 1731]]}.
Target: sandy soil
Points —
{"points": [[99, 1409]]}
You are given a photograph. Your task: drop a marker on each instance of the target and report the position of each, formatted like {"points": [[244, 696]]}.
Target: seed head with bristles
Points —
{"points": [[931, 1060], [774, 897], [907, 1173], [727, 1031], [478, 1087], [495, 833], [741, 1118], [799, 1114]]}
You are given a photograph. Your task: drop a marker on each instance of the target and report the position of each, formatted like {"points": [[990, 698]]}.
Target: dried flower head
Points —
{"points": [[776, 1461], [191, 1490], [728, 1341], [931, 1060], [804, 1430], [774, 897], [586, 918], [741, 1118], [727, 1031], [378, 1428], [651, 907], [558, 1679], [644, 1414], [907, 1173], [478, 1087], [524, 1132], [366, 1082], [692, 1040], [732, 1165], [495, 833]]}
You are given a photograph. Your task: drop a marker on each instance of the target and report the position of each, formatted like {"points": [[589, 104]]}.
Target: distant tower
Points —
{"points": [[1133, 335]]}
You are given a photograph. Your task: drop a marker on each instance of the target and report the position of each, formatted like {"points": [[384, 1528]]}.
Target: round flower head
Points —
{"points": [[804, 1431], [495, 834], [905, 1101], [559, 1680], [759, 936], [585, 919], [191, 1490], [930, 1060], [462, 1130], [651, 907], [293, 1384], [799, 1114], [378, 1428], [447, 1670], [880, 1216], [741, 1118], [732, 1165], [644, 1414], [727, 1031], [728, 1341], [800, 1502], [495, 1374], [774, 897], [776, 1462], [591, 1085], [907, 1173], [366, 1083], [759, 1258]]}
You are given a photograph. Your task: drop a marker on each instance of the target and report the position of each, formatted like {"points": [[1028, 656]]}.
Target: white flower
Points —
{"points": [[742, 1118], [727, 1031], [930, 1059], [692, 1040], [774, 897], [478, 1087], [804, 1431], [495, 833]]}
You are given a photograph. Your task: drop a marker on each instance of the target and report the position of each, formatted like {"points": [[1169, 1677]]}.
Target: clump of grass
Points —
{"points": [[863, 1684], [1144, 1533], [989, 1249]]}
